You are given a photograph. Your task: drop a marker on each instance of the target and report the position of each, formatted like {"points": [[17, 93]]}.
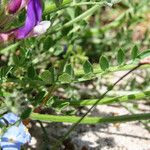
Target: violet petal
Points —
{"points": [[33, 17]]}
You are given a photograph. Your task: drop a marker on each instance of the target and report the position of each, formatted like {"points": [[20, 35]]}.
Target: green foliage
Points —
{"points": [[48, 43], [31, 72], [120, 56], [48, 76], [69, 65], [104, 64], [64, 78], [134, 52], [87, 67], [69, 70], [26, 113]]}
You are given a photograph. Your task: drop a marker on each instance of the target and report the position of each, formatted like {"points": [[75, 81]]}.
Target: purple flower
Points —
{"points": [[32, 25], [39, 29], [16, 135], [33, 17]]}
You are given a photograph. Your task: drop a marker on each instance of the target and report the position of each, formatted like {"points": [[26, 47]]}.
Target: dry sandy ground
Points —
{"points": [[124, 136]]}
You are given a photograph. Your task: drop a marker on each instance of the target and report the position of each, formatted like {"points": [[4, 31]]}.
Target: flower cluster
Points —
{"points": [[32, 26], [16, 135]]}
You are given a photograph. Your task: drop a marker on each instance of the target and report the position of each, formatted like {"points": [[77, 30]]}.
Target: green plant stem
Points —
{"points": [[89, 120], [108, 100], [131, 110], [84, 15], [52, 7], [88, 3], [97, 70]]}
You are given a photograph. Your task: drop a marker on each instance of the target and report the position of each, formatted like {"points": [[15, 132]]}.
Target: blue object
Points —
{"points": [[9, 118], [16, 135]]}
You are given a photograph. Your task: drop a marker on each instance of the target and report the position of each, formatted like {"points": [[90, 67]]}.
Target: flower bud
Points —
{"points": [[13, 6]]}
